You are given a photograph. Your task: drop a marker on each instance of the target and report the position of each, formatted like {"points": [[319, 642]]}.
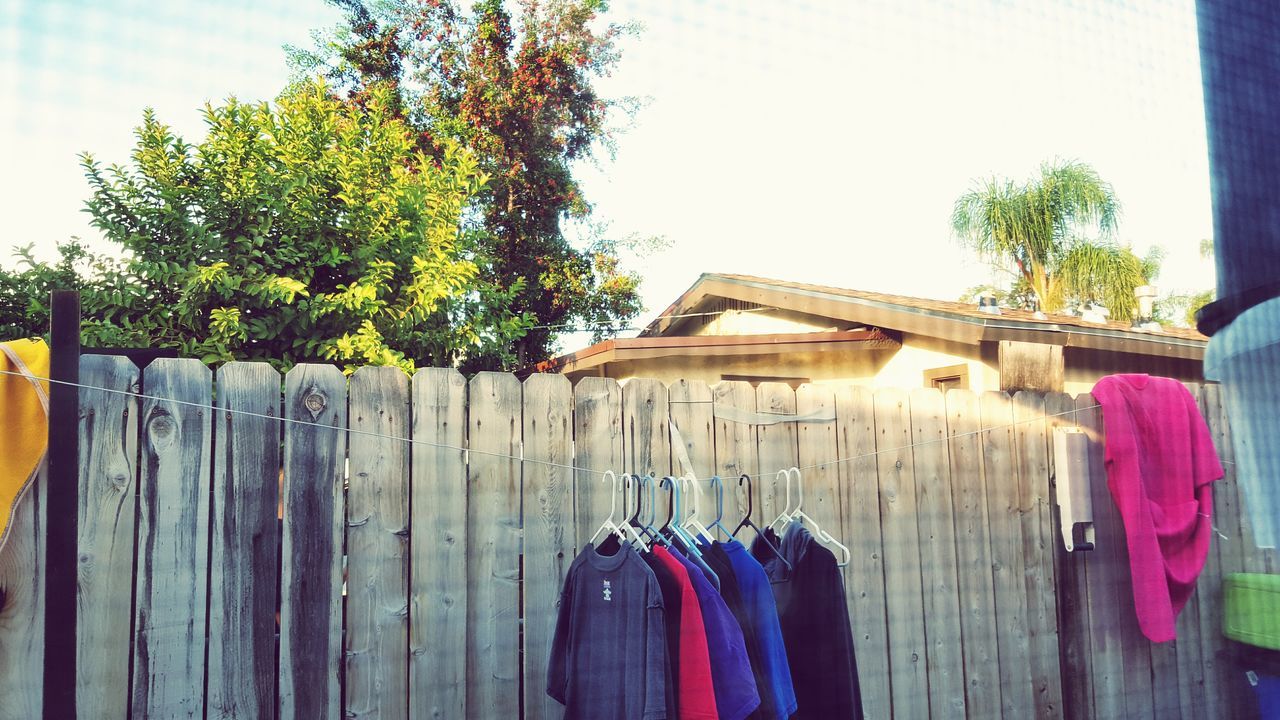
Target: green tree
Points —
{"points": [[518, 89], [310, 229], [1180, 308], [1040, 228], [24, 289]]}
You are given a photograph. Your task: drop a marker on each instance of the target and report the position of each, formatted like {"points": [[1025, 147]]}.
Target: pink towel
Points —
{"points": [[1160, 463]]}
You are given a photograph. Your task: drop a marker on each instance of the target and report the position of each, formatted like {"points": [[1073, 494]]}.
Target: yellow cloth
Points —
{"points": [[24, 421]]}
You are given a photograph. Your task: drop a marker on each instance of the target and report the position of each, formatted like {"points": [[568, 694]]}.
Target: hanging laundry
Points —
{"points": [[1160, 465], [815, 625], [689, 658], [712, 576], [719, 561], [762, 615], [608, 654], [735, 686], [25, 398]]}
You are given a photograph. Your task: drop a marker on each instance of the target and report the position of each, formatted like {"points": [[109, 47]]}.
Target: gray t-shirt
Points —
{"points": [[608, 657]]}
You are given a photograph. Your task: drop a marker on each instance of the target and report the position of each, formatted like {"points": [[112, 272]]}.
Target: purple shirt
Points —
{"points": [[731, 676]]}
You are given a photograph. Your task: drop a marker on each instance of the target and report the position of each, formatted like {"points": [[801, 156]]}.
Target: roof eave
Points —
{"points": [[941, 324]]}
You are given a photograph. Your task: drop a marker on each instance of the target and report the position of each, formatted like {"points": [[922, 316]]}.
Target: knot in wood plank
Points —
{"points": [[315, 401]]}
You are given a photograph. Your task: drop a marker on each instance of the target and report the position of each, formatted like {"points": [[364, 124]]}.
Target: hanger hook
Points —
{"points": [[653, 500], [668, 482], [786, 477], [799, 486], [613, 496], [635, 515], [747, 478]]}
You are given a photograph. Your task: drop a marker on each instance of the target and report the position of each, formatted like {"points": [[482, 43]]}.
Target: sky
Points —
{"points": [[820, 141]]}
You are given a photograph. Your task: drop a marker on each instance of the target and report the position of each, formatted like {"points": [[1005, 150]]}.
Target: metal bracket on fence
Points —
{"points": [[1072, 485]]}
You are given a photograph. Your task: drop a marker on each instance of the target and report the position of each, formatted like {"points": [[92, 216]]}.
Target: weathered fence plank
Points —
{"points": [[1075, 657], [244, 553], [108, 512], [1177, 676], [173, 541], [1225, 556], [973, 556], [1135, 648], [1182, 667], [818, 449], [908, 649], [493, 545], [935, 520], [22, 569], [689, 403], [1000, 469], [1113, 615], [438, 547], [647, 446], [860, 522], [1189, 678], [315, 452], [597, 423], [377, 641], [1104, 595], [736, 452], [1031, 447], [548, 528], [777, 449]]}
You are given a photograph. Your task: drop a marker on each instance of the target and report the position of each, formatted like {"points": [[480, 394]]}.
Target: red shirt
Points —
{"points": [[1160, 463], [697, 698]]}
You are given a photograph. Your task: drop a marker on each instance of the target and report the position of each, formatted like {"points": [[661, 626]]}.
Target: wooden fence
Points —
{"points": [[428, 588]]}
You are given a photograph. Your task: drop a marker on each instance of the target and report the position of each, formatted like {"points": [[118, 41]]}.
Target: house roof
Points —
{"points": [[940, 318], [642, 348]]}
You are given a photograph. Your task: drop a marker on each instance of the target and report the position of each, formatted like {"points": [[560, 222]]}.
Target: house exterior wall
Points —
{"points": [[920, 353], [903, 367], [1086, 367], [857, 366], [762, 321]]}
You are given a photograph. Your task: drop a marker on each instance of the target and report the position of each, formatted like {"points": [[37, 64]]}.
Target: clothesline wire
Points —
{"points": [[520, 458]]}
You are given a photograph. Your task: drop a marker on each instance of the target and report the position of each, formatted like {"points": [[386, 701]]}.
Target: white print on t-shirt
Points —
{"points": [[608, 592]]}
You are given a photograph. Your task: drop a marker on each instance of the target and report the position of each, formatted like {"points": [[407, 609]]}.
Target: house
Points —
{"points": [[739, 327]]}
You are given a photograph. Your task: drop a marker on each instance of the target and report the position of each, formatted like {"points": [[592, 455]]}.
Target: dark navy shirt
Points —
{"points": [[609, 652]]}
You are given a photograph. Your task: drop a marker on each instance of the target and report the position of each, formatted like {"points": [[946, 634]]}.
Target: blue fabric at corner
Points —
{"points": [[757, 596]]}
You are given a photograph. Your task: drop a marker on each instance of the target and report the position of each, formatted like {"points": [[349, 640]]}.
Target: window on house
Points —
{"points": [[951, 377]]}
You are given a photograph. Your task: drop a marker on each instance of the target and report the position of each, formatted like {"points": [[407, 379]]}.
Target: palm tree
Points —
{"points": [[1040, 227]]}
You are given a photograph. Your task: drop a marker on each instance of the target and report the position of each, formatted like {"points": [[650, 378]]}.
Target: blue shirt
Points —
{"points": [[757, 599]]}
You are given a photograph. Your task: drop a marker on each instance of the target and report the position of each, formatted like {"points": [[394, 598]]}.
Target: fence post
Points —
{"points": [[61, 520]]}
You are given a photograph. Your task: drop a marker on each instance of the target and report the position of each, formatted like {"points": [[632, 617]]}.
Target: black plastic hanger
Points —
{"points": [[634, 520], [746, 522], [668, 483], [718, 484], [646, 526]]}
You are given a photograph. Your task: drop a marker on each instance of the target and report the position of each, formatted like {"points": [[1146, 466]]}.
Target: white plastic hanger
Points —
{"points": [[636, 538], [692, 522], [798, 514], [785, 516], [678, 485], [608, 523]]}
